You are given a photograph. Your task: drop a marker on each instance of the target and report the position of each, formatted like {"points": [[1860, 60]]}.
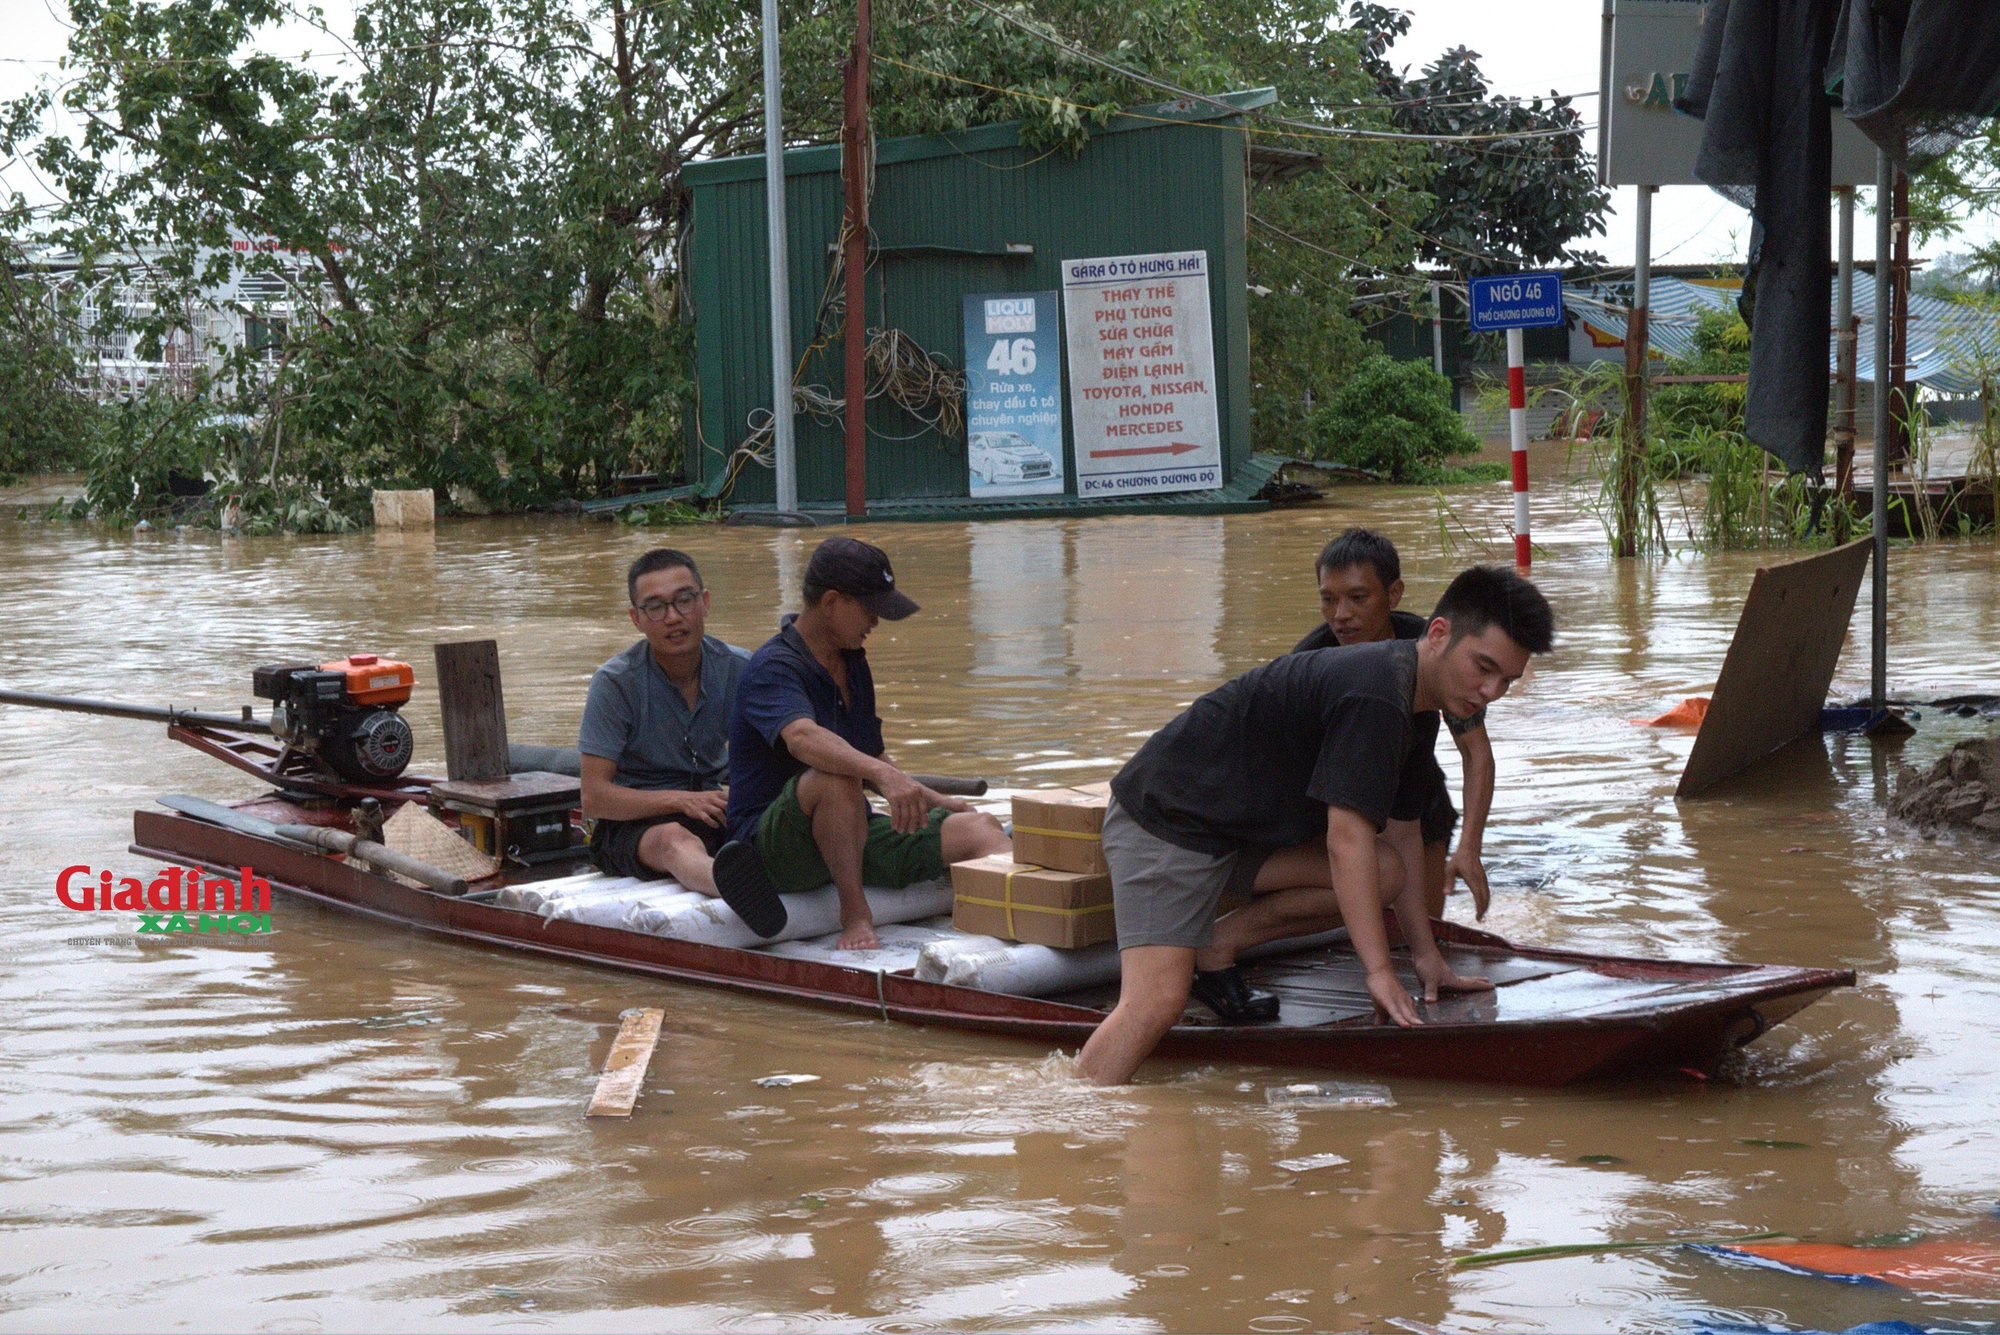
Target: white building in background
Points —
{"points": [[252, 309]]}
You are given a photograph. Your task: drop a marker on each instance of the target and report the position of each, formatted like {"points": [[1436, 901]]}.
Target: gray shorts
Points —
{"points": [[1167, 895]]}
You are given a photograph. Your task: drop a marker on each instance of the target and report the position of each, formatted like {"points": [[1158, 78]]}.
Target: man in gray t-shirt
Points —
{"points": [[655, 734]]}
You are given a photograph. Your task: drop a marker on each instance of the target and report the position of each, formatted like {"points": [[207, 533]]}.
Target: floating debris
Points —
{"points": [[1330, 1094], [1598, 1158], [1777, 1144], [399, 1020], [1309, 1162], [784, 1081]]}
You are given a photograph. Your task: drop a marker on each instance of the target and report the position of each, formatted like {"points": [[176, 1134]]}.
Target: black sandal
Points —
{"points": [[1235, 1001], [746, 887]]}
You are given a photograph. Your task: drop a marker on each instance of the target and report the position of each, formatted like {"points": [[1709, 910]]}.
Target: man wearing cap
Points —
{"points": [[805, 742]]}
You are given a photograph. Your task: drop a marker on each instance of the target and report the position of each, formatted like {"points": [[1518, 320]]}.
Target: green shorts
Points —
{"points": [[890, 860]]}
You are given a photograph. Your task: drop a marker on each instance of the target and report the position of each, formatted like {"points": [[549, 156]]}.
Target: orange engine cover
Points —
{"points": [[372, 680]]}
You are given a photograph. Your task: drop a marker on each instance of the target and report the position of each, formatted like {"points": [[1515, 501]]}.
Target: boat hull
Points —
{"points": [[1703, 1010]]}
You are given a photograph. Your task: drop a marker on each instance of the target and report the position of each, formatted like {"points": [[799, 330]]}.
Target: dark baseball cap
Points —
{"points": [[861, 571]]}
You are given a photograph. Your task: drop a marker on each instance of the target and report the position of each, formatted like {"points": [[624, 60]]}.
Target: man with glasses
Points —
{"points": [[655, 735]]}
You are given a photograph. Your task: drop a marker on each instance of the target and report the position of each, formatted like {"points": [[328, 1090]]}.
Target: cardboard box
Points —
{"points": [[1017, 902], [1061, 828]]}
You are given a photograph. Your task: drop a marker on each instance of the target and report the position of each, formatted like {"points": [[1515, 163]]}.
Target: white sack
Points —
{"points": [[1022, 970], [814, 913], [901, 943]]}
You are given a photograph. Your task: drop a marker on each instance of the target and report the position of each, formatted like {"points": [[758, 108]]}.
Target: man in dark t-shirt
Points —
{"points": [[805, 744], [1360, 580], [1296, 768]]}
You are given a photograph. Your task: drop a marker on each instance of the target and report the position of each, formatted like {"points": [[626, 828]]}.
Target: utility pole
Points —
{"points": [[1844, 343], [1878, 657], [854, 165], [1437, 327], [1632, 451], [1899, 316], [783, 453]]}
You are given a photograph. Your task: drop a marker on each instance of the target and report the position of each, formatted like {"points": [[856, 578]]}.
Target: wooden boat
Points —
{"points": [[1555, 1017]]}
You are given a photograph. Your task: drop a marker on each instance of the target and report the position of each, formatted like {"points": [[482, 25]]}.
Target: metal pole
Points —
{"points": [[854, 163], [1843, 334], [1517, 427], [1899, 322], [1437, 327], [1637, 345], [782, 451], [119, 709], [1878, 660]]}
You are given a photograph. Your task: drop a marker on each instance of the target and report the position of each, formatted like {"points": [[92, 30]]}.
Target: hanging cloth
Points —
{"points": [[1914, 75]]}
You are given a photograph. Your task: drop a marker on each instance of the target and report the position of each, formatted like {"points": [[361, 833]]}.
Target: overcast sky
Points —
{"points": [[1527, 47]]}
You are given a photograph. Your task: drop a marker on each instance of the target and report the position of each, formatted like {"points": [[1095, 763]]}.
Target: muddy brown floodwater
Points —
{"points": [[348, 1126]]}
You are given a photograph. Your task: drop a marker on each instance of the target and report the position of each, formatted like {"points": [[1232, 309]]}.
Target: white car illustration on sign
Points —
{"points": [[1002, 457]]}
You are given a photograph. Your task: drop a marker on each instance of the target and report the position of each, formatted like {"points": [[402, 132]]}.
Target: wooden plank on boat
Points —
{"points": [[473, 712], [625, 1068], [1780, 662]]}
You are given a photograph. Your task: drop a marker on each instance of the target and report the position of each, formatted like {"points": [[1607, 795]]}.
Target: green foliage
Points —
{"points": [[136, 449], [663, 514], [1392, 418], [1676, 412], [136, 445], [1747, 502], [479, 220], [1375, 209], [43, 419], [1947, 192], [1496, 204]]}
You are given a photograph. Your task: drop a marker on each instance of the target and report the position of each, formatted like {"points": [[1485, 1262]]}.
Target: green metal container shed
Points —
{"points": [[973, 212]]}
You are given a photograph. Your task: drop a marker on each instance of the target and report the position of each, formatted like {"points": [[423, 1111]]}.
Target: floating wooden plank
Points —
{"points": [[625, 1068], [474, 714], [1774, 679]]}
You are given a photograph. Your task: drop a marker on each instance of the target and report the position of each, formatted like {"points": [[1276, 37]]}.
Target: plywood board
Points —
{"points": [[473, 710], [625, 1068], [1774, 679]]}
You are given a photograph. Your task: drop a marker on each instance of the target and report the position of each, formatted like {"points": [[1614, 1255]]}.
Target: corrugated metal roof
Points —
{"points": [[1947, 340]]}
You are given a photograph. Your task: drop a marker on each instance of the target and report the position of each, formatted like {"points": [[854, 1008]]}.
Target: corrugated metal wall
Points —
{"points": [[1140, 187]]}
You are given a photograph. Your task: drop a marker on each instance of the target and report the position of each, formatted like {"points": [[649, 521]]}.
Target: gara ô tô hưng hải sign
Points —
{"points": [[1142, 374]]}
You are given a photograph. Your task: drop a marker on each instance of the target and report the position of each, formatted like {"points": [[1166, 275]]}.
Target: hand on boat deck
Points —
{"points": [[1387, 991], [1436, 975], [708, 807], [858, 936], [1465, 862]]}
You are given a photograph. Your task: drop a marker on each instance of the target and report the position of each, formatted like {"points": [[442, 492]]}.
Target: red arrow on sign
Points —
{"points": [[1178, 447]]}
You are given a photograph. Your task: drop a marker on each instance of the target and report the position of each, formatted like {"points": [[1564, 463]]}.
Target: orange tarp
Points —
{"points": [[1687, 714], [1958, 1269]]}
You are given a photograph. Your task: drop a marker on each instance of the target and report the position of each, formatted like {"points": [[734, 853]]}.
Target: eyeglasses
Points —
{"points": [[682, 603]]}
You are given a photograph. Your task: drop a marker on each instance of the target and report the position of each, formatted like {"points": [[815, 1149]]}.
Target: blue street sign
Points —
{"points": [[1516, 301]]}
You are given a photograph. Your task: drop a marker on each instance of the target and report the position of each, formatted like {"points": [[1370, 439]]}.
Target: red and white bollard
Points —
{"points": [[1517, 427]]}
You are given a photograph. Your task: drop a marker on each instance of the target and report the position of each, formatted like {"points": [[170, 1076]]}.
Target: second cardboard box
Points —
{"points": [[1061, 828]]}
